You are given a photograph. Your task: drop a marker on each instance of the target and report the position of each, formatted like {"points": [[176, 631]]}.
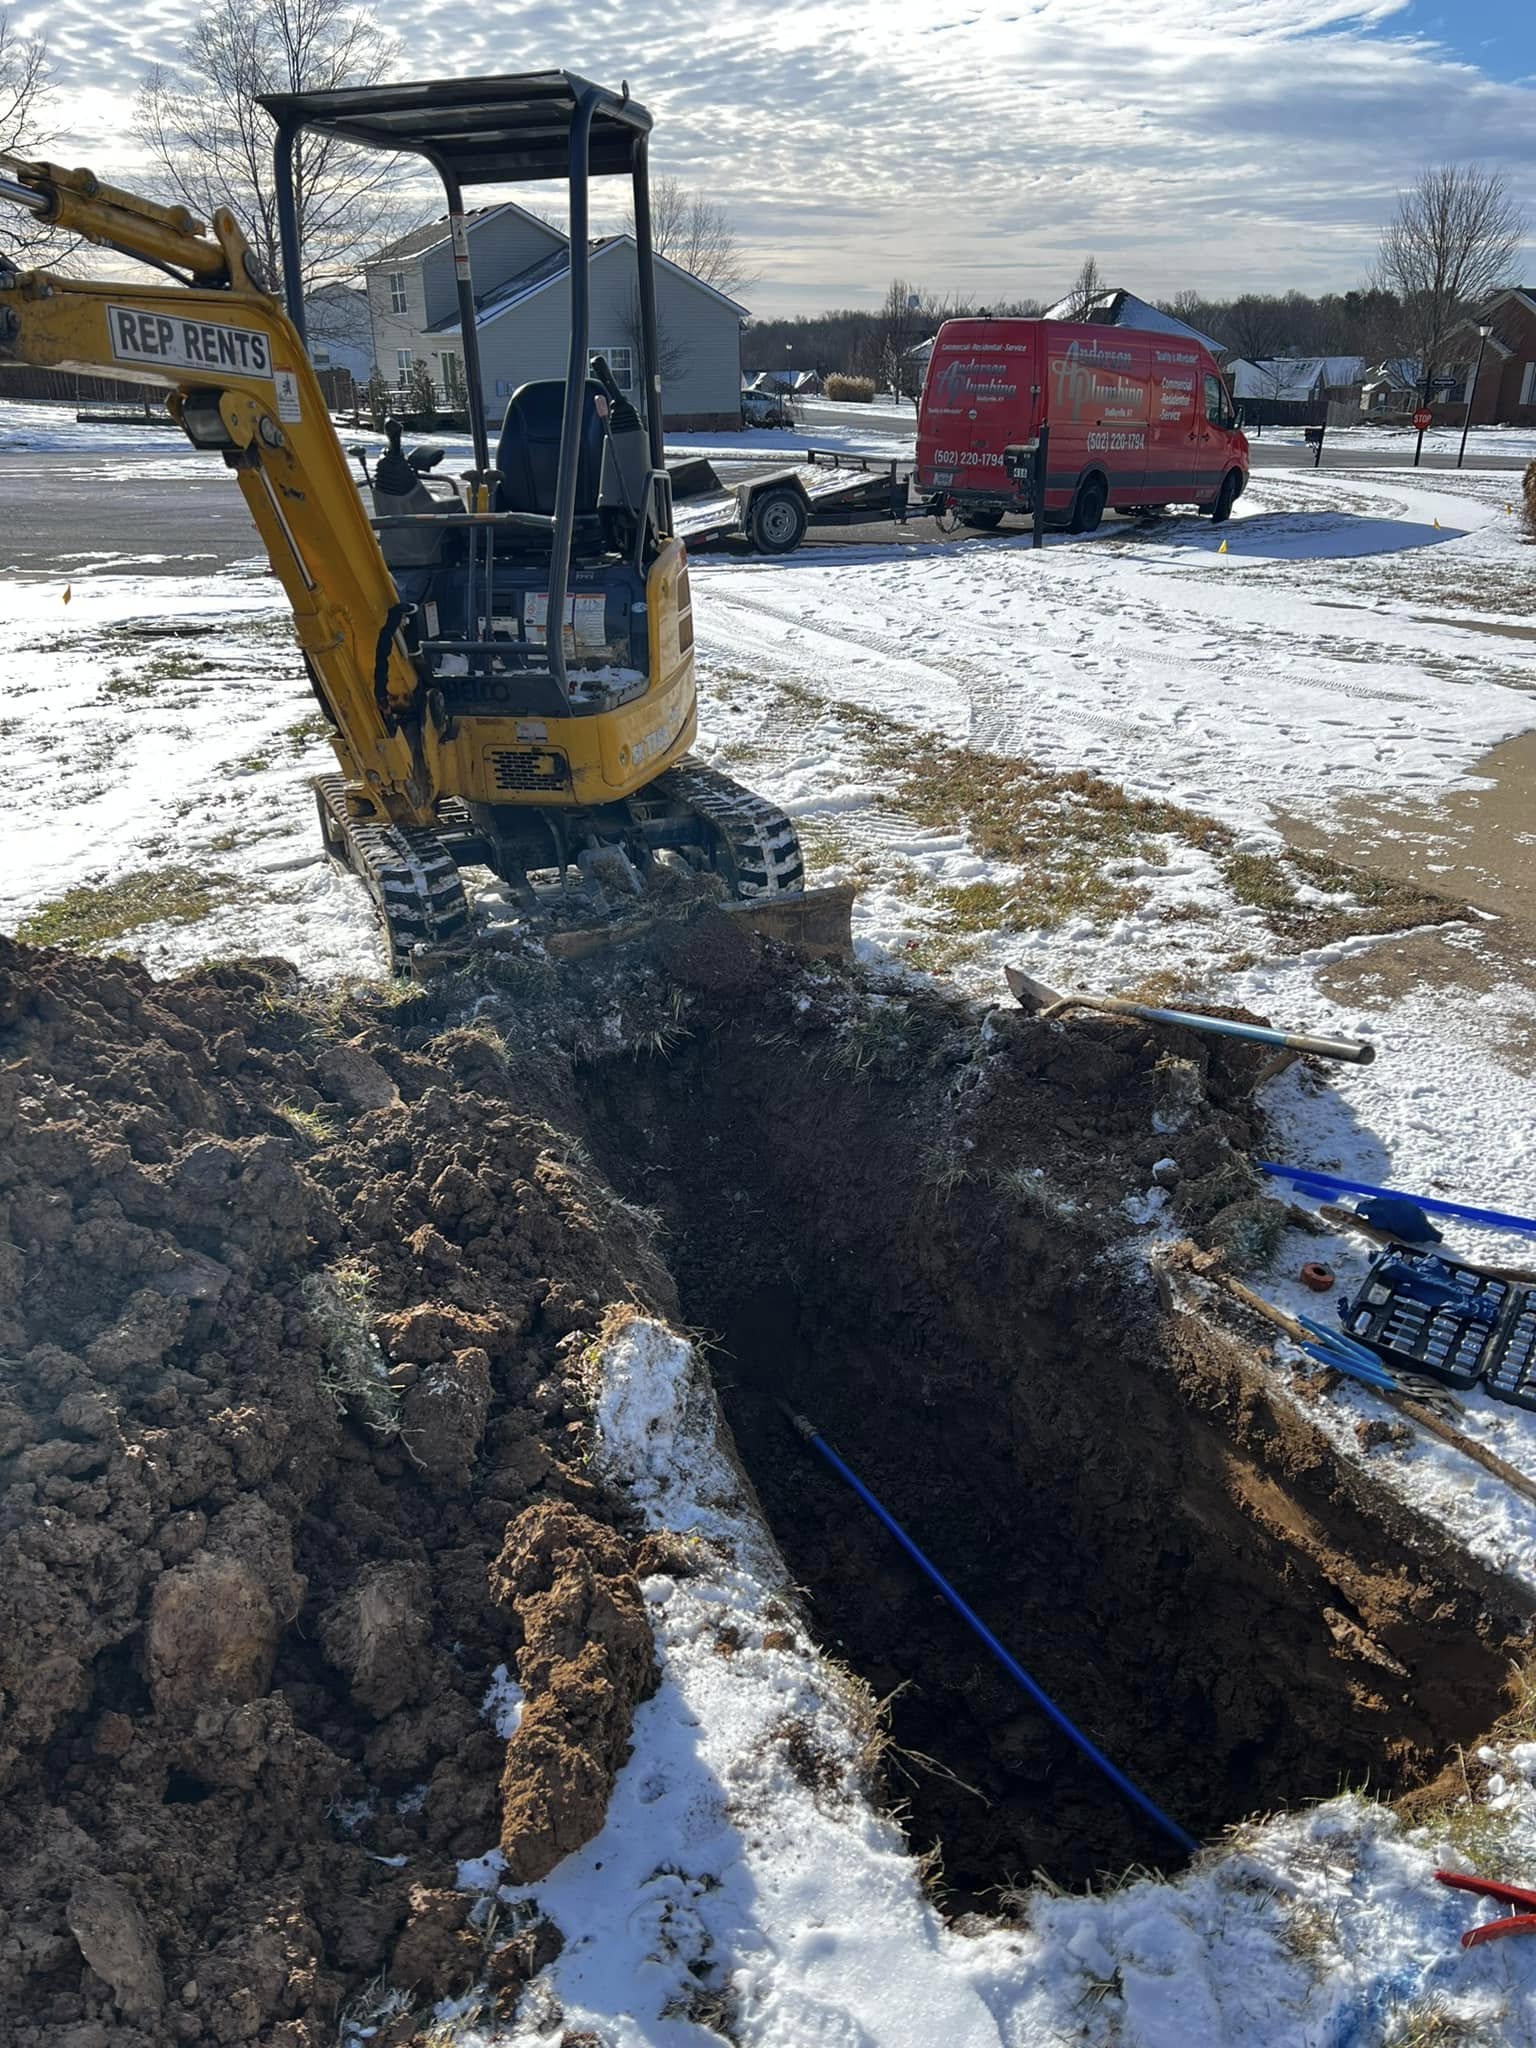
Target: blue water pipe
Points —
{"points": [[1329, 1184], [808, 1433]]}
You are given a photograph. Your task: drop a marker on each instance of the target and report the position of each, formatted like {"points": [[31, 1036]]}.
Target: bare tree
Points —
{"points": [[1253, 326], [691, 230], [212, 145], [672, 355], [1087, 286], [1451, 242], [24, 83]]}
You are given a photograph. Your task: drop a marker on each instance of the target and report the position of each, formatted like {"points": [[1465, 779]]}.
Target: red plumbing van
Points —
{"points": [[1138, 421]]}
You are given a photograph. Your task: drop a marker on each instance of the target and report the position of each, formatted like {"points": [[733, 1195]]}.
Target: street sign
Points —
{"points": [[1423, 418]]}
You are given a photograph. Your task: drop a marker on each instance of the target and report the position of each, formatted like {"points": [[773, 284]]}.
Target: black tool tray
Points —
{"points": [[1485, 1330]]}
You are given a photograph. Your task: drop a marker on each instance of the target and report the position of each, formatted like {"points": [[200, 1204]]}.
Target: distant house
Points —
{"points": [[1119, 308], [340, 333], [1390, 387], [1282, 390], [1506, 384], [521, 269]]}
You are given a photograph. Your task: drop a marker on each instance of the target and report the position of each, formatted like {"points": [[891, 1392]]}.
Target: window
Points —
{"points": [[320, 355], [622, 363], [403, 361], [1528, 385], [1218, 407], [397, 291]]}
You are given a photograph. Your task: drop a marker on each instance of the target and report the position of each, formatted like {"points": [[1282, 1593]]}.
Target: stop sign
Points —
{"points": [[1423, 418]]}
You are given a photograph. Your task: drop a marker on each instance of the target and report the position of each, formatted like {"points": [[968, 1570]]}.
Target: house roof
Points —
{"points": [[434, 233], [540, 276], [1293, 380], [1120, 308]]}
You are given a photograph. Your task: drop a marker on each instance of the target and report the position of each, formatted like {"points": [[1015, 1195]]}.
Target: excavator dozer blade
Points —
{"points": [[815, 923]]}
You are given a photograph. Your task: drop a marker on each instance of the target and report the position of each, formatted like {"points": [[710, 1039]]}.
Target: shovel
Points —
{"points": [[1035, 996]]}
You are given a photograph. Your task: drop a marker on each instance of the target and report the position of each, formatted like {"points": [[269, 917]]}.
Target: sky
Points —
{"points": [[980, 147]]}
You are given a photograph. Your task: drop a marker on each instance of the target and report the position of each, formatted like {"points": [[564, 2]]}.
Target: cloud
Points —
{"points": [[982, 147]]}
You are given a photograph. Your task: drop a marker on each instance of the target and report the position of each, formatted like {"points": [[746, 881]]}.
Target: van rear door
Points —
{"points": [[976, 402]]}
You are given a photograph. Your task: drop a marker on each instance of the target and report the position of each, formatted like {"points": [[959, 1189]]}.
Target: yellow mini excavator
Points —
{"points": [[505, 663]]}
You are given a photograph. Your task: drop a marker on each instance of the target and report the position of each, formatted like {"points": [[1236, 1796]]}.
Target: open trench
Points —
{"points": [[1238, 1617], [298, 1305]]}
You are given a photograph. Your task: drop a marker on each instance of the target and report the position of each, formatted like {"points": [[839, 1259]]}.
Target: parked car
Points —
{"points": [[1138, 421], [766, 409]]}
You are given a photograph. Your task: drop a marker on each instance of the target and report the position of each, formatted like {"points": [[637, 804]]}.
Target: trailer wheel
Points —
{"points": [[1088, 507], [1226, 497], [985, 521], [777, 521]]}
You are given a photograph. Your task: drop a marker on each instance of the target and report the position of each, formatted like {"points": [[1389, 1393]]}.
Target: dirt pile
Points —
{"points": [[286, 1313]]}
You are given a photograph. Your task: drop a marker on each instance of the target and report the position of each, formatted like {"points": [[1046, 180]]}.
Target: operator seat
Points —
{"points": [[528, 455]]}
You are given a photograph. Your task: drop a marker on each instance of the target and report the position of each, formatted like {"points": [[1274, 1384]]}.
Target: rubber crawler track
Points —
{"points": [[761, 847], [407, 870]]}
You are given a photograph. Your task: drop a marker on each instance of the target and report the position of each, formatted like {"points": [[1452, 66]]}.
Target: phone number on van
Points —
{"points": [[1115, 441]]}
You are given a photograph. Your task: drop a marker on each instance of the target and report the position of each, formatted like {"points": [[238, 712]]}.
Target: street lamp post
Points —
{"points": [[1466, 418]]}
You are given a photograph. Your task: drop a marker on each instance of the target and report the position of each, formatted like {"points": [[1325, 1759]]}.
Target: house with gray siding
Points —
{"points": [[522, 275]]}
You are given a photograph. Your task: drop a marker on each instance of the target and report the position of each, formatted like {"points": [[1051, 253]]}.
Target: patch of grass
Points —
{"points": [[1279, 886], [826, 842], [250, 764], [877, 1040], [306, 732], [149, 672], [1429, 2021], [339, 1302], [798, 693], [980, 906], [91, 916], [938, 952], [1483, 1835], [1252, 1232], [314, 1126], [1068, 829]]}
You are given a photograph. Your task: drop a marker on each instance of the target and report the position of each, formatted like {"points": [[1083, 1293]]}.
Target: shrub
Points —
{"points": [[421, 395], [378, 399], [857, 390], [1528, 490]]}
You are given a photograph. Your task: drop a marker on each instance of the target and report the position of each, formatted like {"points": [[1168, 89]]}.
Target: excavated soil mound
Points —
{"points": [[288, 1466], [295, 1454]]}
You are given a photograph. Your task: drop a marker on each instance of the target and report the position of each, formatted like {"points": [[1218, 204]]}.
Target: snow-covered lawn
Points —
{"points": [[1345, 646], [1517, 441]]}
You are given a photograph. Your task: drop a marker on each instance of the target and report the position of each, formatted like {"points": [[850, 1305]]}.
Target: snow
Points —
{"points": [[1379, 438], [1364, 639]]}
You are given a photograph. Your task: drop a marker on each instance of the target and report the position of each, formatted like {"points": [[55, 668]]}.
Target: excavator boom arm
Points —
{"points": [[241, 384]]}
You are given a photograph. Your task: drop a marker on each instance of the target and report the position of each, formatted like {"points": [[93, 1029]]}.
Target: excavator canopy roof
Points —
{"points": [[480, 130]]}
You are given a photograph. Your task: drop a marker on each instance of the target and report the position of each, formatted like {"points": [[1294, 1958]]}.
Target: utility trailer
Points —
{"points": [[825, 488]]}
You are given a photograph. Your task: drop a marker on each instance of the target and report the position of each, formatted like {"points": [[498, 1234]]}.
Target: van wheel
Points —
{"points": [[985, 521], [777, 522], [1226, 497], [1088, 506]]}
